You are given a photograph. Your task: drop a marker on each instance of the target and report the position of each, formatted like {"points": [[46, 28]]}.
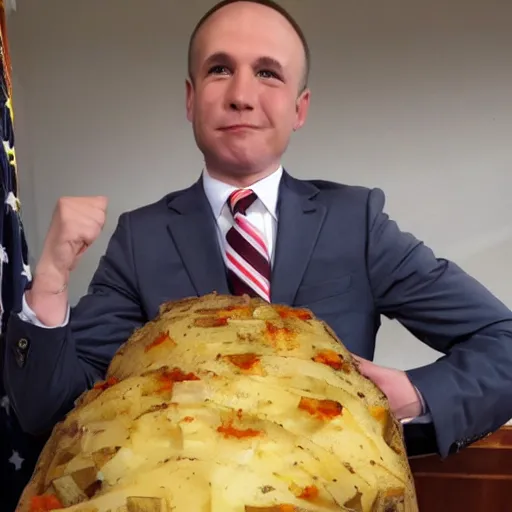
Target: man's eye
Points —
{"points": [[217, 70], [266, 73]]}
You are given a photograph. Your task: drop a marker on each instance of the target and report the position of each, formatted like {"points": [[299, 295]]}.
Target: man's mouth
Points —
{"points": [[238, 127]]}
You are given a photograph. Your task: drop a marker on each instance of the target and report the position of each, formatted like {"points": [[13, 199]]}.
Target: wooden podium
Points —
{"points": [[477, 479]]}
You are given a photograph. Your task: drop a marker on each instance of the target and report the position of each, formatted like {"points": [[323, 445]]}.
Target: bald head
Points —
{"points": [[232, 11], [246, 93]]}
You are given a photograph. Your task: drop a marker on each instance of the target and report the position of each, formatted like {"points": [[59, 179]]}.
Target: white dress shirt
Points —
{"points": [[262, 213], [28, 315]]}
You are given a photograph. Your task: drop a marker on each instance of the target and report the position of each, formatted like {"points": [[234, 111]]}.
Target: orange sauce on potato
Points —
{"points": [[322, 409], [111, 381], [229, 430], [169, 377], [161, 338], [45, 503], [288, 312], [243, 361]]}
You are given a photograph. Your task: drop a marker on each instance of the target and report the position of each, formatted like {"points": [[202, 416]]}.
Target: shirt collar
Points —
{"points": [[266, 189]]}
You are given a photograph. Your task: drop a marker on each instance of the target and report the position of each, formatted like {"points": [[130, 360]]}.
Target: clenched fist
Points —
{"points": [[76, 223]]}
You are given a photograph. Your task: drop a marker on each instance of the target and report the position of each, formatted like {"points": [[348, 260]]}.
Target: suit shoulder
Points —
{"points": [[153, 210], [368, 202], [335, 186], [335, 191]]}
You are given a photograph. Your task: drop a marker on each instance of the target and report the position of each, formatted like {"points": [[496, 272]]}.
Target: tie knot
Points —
{"points": [[240, 200]]}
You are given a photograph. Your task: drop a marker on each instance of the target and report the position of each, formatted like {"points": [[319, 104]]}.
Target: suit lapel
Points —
{"points": [[193, 228], [300, 218]]}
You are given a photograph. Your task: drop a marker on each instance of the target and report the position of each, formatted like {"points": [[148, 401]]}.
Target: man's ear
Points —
{"points": [[302, 108], [189, 88]]}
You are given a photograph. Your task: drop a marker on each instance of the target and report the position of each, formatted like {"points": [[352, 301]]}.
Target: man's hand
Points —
{"points": [[402, 396], [76, 224]]}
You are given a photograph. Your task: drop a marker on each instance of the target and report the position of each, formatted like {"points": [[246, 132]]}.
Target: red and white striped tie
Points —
{"points": [[247, 256]]}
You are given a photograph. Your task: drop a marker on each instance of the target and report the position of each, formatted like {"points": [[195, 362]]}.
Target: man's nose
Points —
{"points": [[242, 92]]}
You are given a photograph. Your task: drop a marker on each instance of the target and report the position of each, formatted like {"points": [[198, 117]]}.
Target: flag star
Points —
{"points": [[13, 202], [26, 272], [16, 460], [5, 403], [4, 257]]}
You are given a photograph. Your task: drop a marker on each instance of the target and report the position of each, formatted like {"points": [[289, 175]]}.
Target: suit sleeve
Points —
{"points": [[45, 370], [468, 390]]}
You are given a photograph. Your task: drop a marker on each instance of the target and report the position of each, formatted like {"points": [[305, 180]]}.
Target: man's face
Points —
{"points": [[246, 99]]}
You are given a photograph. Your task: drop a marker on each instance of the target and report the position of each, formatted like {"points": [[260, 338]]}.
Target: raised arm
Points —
{"points": [[47, 367]]}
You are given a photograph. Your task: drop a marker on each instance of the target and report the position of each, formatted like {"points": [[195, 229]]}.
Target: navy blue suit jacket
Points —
{"points": [[337, 253]]}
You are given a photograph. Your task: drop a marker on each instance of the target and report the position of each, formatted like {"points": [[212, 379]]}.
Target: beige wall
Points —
{"points": [[414, 97]]}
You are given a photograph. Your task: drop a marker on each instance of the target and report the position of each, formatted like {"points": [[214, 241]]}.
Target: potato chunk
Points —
{"points": [[143, 504]]}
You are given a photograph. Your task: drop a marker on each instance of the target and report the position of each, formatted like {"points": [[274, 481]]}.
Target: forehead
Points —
{"points": [[248, 31]]}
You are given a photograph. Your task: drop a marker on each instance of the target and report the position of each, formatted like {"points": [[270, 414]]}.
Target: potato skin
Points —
{"points": [[227, 403]]}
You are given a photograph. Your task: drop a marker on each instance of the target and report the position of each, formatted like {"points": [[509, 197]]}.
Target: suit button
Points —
{"points": [[23, 344], [21, 351]]}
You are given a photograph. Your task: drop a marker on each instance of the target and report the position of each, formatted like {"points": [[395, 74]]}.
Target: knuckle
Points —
{"points": [[91, 233], [61, 204]]}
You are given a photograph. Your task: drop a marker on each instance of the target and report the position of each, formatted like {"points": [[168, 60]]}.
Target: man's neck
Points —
{"points": [[240, 178]]}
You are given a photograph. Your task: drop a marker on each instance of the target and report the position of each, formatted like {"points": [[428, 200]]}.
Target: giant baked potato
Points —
{"points": [[227, 404]]}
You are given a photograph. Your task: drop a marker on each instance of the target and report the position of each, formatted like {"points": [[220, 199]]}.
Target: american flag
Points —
{"points": [[18, 451]]}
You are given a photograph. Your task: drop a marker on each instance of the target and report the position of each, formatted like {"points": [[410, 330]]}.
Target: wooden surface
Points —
{"points": [[477, 479]]}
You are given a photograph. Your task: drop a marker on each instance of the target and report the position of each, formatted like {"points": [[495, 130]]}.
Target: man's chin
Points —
{"points": [[237, 159], [239, 163]]}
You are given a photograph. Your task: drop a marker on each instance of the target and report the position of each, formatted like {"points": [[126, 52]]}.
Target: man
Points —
{"points": [[318, 244]]}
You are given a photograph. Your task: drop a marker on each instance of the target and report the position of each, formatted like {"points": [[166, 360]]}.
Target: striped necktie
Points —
{"points": [[247, 257]]}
